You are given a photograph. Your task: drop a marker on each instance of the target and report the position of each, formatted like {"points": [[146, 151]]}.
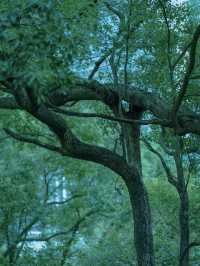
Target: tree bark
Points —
{"points": [[184, 229], [184, 205], [143, 237]]}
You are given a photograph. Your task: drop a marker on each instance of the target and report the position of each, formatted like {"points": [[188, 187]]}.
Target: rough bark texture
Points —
{"points": [[184, 206], [184, 229], [143, 237], [142, 223]]}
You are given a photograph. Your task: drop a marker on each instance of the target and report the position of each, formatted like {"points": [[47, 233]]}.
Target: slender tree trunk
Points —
{"points": [[184, 229], [143, 237], [184, 205]]}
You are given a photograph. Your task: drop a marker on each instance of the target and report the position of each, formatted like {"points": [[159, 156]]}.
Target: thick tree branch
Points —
{"points": [[73, 147], [188, 121]]}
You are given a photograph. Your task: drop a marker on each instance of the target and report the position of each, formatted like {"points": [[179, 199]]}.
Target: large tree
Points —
{"points": [[146, 60]]}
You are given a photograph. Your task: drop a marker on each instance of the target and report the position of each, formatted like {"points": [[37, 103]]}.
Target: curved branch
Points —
{"points": [[29, 139], [72, 146]]}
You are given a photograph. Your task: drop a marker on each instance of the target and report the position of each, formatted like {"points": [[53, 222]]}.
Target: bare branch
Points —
{"points": [[99, 62], [65, 201], [116, 43], [127, 47], [191, 65], [29, 139], [111, 118], [23, 233], [172, 179], [181, 55], [114, 10], [168, 39], [73, 229]]}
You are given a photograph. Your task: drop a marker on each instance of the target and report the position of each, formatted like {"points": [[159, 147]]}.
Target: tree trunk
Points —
{"points": [[184, 229], [184, 205], [143, 237]]}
